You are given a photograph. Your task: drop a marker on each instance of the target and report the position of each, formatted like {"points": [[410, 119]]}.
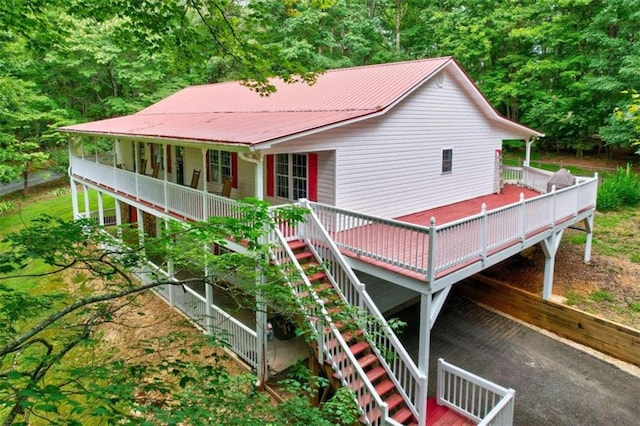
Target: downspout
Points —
{"points": [[256, 157]]}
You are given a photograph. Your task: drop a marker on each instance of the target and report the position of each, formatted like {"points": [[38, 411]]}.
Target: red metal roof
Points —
{"points": [[232, 113]]}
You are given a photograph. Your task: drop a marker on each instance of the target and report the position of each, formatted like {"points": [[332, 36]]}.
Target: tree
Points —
{"points": [[41, 333]]}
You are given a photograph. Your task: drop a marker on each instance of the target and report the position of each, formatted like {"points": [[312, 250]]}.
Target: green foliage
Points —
{"points": [[618, 190], [573, 298], [634, 306], [602, 296]]}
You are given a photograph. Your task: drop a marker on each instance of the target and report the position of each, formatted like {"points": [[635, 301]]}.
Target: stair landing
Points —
{"points": [[439, 415]]}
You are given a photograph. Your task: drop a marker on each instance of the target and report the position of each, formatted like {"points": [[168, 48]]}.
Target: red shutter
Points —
{"points": [[151, 159], [169, 158], [234, 169], [208, 173], [313, 177], [270, 176]]}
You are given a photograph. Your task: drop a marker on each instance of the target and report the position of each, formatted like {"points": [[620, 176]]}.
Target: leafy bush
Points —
{"points": [[6, 206], [619, 189]]}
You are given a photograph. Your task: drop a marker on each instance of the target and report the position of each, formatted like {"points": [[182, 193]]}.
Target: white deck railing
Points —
{"points": [[178, 200], [474, 397], [390, 351], [241, 339], [436, 249]]}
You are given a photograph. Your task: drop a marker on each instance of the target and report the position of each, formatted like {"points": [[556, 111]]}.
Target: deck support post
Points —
{"points": [[87, 211], [118, 219], [100, 209], [205, 174], [550, 248], [208, 293], [261, 328], [74, 200], [140, 214], [170, 271], [588, 224], [423, 353]]}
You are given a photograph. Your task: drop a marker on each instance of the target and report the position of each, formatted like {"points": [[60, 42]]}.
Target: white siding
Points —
{"points": [[391, 165]]}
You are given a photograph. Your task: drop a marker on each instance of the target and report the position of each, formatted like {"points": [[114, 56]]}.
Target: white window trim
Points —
{"points": [[290, 177], [442, 162], [220, 174]]}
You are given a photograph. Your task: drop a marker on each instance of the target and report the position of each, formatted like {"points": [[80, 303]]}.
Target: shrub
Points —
{"points": [[619, 189], [6, 206]]}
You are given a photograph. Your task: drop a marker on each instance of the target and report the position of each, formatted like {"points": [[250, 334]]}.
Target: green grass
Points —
{"points": [[55, 202], [602, 296], [616, 234]]}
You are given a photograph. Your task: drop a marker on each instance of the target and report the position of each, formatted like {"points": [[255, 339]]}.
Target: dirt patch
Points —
{"points": [[607, 286]]}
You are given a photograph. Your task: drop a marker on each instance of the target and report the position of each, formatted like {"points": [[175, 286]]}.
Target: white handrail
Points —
{"points": [[380, 334], [339, 355], [474, 397]]}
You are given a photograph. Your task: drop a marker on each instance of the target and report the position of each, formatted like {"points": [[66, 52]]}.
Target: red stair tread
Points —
{"points": [[359, 347], [394, 400], [304, 255], [402, 415], [316, 276], [296, 244], [384, 387], [376, 373], [367, 360]]}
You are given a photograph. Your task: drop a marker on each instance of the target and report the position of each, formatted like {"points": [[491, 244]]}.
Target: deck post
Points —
{"points": [[118, 219], [423, 353], [483, 232], [100, 209], [550, 248], [87, 211], [261, 328], [523, 219], [74, 199], [165, 165], [208, 293], [205, 174], [170, 270], [588, 223]]}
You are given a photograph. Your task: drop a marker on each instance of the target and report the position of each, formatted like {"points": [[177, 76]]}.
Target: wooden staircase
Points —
{"points": [[359, 347], [439, 415]]}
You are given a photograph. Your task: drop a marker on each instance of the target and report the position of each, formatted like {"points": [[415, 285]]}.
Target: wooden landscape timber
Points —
{"points": [[600, 334]]}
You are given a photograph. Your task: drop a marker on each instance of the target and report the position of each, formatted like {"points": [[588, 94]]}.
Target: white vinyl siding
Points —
{"points": [[391, 165]]}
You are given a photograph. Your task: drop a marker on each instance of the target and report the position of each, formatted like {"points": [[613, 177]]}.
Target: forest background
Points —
{"points": [[568, 68]]}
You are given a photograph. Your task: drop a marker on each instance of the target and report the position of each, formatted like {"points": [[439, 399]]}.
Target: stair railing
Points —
{"points": [[392, 354], [331, 344]]}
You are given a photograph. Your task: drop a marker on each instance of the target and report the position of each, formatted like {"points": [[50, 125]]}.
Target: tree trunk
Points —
{"points": [[25, 178]]}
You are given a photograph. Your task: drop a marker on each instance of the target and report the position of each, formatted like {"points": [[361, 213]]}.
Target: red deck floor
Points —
{"points": [[452, 212]]}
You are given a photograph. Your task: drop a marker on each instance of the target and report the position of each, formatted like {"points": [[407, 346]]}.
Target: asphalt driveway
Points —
{"points": [[555, 384]]}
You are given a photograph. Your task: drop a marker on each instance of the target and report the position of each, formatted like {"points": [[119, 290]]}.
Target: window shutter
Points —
{"points": [[313, 177], [270, 175], [234, 169], [169, 158], [151, 159], [208, 171]]}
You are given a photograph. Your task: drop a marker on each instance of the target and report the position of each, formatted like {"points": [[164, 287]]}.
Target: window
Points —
{"points": [[447, 160], [157, 155], [219, 165], [291, 176]]}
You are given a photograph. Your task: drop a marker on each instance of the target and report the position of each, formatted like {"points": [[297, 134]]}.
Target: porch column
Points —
{"points": [[87, 211], [136, 166], [170, 271], [208, 292], [550, 248], [100, 209], [118, 219], [166, 177], [204, 175], [423, 353], [140, 229], [259, 176], [74, 199], [527, 155]]}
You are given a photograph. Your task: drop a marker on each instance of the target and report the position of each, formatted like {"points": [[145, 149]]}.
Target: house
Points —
{"points": [[388, 158]]}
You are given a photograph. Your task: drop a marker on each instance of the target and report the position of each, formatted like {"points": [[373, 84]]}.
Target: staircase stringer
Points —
{"points": [[325, 330], [390, 351]]}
